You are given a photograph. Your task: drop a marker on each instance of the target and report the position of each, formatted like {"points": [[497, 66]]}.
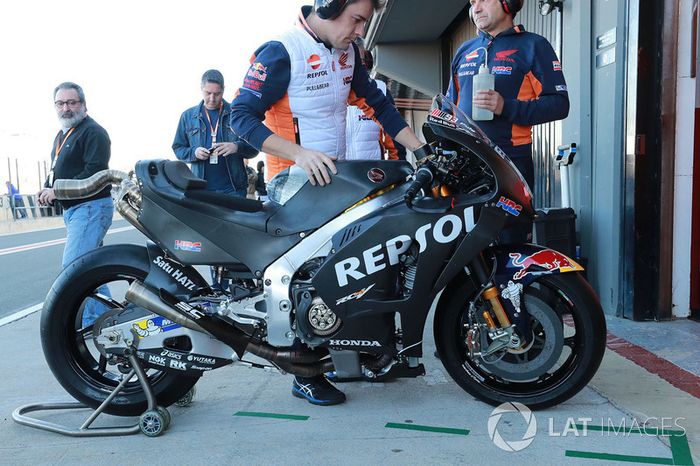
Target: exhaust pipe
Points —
{"points": [[301, 363], [128, 204], [81, 189], [143, 297]]}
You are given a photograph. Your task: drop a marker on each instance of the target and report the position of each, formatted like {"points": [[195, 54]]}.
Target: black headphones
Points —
{"points": [[329, 9], [511, 7]]}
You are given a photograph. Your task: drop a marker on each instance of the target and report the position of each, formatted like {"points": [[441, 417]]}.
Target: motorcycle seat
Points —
{"points": [[227, 201], [179, 174]]}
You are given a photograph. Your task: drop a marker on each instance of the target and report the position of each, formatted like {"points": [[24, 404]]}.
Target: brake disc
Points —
{"points": [[544, 357]]}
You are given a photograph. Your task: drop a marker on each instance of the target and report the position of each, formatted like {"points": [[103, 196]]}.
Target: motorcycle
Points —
{"points": [[336, 279]]}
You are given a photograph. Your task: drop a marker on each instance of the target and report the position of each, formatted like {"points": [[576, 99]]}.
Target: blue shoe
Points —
{"points": [[317, 391]]}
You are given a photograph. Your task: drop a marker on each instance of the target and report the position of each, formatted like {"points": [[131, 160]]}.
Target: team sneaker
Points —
{"points": [[317, 391]]}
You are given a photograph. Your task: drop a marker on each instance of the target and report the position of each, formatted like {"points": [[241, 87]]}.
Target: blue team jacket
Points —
{"points": [[529, 77]]}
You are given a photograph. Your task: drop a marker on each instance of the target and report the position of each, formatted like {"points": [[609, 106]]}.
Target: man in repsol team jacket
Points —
{"points": [[529, 83], [365, 138], [301, 85]]}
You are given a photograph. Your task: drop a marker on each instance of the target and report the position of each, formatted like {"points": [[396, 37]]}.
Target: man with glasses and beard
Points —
{"points": [[81, 149]]}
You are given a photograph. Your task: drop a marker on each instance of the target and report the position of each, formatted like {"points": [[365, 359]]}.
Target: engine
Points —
{"points": [[315, 321]]}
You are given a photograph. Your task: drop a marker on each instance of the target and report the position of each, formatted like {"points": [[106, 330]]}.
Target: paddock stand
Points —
{"points": [[153, 422]]}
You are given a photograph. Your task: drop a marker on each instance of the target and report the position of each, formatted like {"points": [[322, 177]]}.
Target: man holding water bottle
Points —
{"points": [[508, 80]]}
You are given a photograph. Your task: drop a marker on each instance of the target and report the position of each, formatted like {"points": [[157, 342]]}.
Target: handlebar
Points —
{"points": [[423, 178]]}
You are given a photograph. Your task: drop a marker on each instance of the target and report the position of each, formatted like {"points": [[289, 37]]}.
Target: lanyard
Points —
{"points": [[60, 146], [213, 129], [57, 151]]}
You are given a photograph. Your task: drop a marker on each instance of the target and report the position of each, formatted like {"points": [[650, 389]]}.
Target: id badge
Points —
{"points": [[214, 159]]}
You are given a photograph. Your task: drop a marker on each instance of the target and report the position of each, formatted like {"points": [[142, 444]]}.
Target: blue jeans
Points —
{"points": [[86, 225], [224, 283]]}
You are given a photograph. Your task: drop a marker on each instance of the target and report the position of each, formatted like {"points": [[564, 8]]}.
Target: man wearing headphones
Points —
{"points": [[301, 85], [529, 83], [365, 138]]}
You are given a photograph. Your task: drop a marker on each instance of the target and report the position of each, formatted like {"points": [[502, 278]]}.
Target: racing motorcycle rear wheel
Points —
{"points": [[566, 346], [69, 348]]}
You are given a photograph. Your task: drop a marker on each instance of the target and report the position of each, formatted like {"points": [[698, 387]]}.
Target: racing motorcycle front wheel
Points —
{"points": [[98, 280], [564, 351]]}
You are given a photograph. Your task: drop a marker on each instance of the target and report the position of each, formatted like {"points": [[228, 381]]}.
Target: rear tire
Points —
{"points": [[574, 323], [69, 349]]}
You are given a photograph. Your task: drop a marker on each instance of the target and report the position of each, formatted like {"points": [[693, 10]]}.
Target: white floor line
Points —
{"points": [[53, 242], [21, 314]]}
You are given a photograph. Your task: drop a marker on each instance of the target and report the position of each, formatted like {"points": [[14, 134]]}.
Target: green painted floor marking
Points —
{"points": [[680, 449], [613, 457], [292, 417], [441, 430], [677, 438]]}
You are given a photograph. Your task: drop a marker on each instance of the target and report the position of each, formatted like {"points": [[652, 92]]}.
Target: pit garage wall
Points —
{"points": [[687, 102]]}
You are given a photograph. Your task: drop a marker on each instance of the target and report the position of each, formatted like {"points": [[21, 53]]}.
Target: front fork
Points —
{"points": [[505, 331]]}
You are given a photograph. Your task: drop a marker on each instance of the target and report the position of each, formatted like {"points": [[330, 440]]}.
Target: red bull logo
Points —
{"points": [[546, 259], [258, 71], [315, 61], [259, 67]]}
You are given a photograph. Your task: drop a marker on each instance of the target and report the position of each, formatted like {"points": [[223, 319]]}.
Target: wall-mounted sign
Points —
{"points": [[606, 39], [605, 58]]}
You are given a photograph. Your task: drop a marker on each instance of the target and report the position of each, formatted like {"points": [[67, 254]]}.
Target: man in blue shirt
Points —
{"points": [[16, 200], [205, 140]]}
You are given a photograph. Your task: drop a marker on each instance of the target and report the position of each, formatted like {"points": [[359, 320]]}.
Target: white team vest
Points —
{"points": [[362, 134], [318, 91]]}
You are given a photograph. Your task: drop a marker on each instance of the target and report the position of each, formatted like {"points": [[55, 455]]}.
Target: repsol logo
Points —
{"points": [[354, 343], [317, 74], [177, 274], [445, 230]]}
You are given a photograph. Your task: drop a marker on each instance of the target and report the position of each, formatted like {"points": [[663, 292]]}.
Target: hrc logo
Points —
{"points": [[509, 206]]}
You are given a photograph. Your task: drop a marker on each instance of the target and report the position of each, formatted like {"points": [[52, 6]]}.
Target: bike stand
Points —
{"points": [[153, 422]]}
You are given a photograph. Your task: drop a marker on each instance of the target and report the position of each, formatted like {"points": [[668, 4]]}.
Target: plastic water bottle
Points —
{"points": [[484, 80]]}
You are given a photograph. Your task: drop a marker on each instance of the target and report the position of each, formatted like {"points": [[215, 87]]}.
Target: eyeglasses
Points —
{"points": [[70, 103]]}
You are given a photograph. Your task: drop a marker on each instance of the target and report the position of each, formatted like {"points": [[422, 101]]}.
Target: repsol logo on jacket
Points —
{"points": [[445, 230], [317, 74]]}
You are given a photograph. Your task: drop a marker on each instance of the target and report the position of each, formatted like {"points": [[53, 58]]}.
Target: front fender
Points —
{"points": [[517, 266], [523, 263]]}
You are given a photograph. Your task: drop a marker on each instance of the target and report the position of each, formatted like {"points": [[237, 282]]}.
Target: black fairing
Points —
{"points": [[179, 280], [366, 241], [314, 206], [195, 232], [509, 183]]}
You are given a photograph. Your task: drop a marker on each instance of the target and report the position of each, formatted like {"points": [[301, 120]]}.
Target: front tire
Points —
{"points": [[567, 349], [69, 348]]}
